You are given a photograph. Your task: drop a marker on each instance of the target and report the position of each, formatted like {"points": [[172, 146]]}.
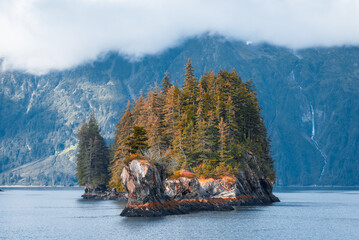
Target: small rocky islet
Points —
{"points": [[202, 147], [99, 194], [150, 194]]}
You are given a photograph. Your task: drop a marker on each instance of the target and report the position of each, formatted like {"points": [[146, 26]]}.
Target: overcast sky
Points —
{"points": [[42, 35]]}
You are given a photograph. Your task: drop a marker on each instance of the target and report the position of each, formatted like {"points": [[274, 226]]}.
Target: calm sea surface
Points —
{"points": [[62, 214]]}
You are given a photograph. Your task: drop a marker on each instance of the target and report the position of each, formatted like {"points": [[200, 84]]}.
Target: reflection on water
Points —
{"points": [[62, 214]]}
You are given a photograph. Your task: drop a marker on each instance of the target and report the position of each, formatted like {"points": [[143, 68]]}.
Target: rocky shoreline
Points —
{"points": [[104, 196], [174, 207], [151, 195], [96, 194]]}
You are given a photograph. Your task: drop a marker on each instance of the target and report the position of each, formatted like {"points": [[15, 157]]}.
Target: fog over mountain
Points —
{"points": [[62, 59], [39, 35]]}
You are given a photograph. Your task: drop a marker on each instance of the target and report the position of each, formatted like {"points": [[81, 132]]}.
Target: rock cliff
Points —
{"points": [[150, 195]]}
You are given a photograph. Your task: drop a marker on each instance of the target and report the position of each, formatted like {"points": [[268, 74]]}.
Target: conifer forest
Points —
{"points": [[206, 127]]}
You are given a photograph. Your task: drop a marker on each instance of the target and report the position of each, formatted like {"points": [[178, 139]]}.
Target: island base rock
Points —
{"points": [[151, 196]]}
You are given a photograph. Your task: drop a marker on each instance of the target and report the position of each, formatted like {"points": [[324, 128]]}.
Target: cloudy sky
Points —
{"points": [[43, 35]]}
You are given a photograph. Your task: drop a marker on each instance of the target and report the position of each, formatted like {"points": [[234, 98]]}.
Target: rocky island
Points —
{"points": [[202, 147], [151, 195]]}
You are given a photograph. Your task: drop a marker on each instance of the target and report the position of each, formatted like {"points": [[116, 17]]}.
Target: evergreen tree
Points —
{"points": [[190, 86], [154, 122], [81, 154], [137, 141], [170, 113], [139, 113], [223, 140], [212, 132], [190, 91], [201, 149], [188, 142], [166, 84], [93, 156], [100, 163]]}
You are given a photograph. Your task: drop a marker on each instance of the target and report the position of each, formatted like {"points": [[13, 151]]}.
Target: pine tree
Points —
{"points": [[212, 132], [124, 126], [81, 154], [90, 155], [170, 113], [231, 119], [190, 91], [137, 141], [190, 86], [100, 163], [188, 142], [154, 124], [166, 84], [201, 149], [93, 156], [223, 140], [139, 112]]}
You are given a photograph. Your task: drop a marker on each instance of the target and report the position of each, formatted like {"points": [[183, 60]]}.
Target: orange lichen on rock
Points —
{"points": [[182, 173], [228, 180], [204, 180], [152, 205], [146, 162], [170, 204]]}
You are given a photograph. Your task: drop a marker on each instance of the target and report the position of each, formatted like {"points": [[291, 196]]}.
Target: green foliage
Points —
{"points": [[207, 127], [166, 83], [93, 156], [206, 169], [214, 169], [137, 141]]}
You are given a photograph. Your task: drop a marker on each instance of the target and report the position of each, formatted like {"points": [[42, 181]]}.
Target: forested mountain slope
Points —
{"points": [[309, 100]]}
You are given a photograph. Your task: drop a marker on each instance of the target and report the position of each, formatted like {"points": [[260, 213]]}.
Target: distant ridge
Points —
{"points": [[40, 115]]}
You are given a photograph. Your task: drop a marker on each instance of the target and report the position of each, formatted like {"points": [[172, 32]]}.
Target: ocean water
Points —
{"points": [[62, 214]]}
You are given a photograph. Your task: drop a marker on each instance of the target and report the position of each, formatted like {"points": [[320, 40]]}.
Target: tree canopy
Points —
{"points": [[208, 126], [137, 141], [93, 156]]}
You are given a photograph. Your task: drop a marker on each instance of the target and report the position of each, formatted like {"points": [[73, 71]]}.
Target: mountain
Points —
{"points": [[309, 100]]}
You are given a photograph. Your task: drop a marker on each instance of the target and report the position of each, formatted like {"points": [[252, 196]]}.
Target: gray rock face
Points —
{"points": [[219, 188], [149, 196], [142, 182], [184, 188]]}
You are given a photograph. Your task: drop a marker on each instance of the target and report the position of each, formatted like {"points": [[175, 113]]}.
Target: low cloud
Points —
{"points": [[41, 35]]}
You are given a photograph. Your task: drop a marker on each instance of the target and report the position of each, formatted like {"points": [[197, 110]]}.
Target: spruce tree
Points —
{"points": [[201, 150], [166, 84], [223, 140], [190, 91], [81, 154], [93, 156], [169, 117], [154, 123], [137, 141]]}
